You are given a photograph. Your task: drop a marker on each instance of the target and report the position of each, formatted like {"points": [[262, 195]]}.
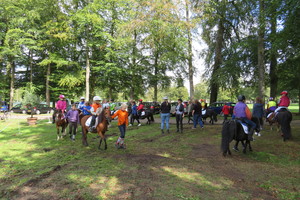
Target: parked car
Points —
{"points": [[19, 108], [217, 106], [42, 109], [155, 107]]}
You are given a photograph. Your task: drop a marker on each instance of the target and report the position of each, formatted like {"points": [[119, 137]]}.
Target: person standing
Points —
{"points": [[112, 106], [258, 113], [189, 111], [122, 115], [134, 114], [165, 109], [179, 111], [226, 111], [73, 119], [197, 114]]}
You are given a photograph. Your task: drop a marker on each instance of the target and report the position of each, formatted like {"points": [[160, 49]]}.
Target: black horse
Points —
{"points": [[148, 115], [233, 130], [284, 118], [211, 114]]}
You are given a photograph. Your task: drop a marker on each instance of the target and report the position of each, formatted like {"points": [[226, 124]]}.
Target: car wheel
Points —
{"points": [[38, 112], [24, 111]]}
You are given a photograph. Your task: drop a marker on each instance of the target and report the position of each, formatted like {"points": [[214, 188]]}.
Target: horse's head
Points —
{"points": [[107, 114], [59, 114]]}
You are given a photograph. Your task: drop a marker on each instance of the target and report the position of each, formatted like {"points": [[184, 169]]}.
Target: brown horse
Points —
{"points": [[62, 122], [103, 118]]}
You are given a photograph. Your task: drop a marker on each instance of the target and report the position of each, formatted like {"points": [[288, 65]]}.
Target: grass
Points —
{"points": [[175, 166]]}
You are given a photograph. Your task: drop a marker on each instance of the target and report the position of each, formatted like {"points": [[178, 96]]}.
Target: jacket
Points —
{"points": [[122, 117], [284, 101], [165, 107]]}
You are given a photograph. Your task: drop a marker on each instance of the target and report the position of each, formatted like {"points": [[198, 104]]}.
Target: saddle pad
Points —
{"points": [[269, 114], [88, 121], [245, 127], [203, 111], [143, 113]]}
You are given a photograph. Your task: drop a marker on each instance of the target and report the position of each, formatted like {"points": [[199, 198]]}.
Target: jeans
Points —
{"points": [[197, 120], [122, 129], [72, 128], [249, 122], [179, 121], [165, 118]]}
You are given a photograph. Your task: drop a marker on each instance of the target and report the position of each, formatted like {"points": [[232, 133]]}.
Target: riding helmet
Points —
{"points": [[62, 96], [97, 98], [284, 92], [140, 99], [241, 98], [82, 98]]}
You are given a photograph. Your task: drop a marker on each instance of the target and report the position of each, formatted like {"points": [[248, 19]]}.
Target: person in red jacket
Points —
{"points": [[284, 101], [226, 111], [140, 108]]}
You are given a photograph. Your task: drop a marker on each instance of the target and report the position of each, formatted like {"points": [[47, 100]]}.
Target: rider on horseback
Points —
{"points": [[140, 108], [95, 110], [284, 101], [112, 106], [271, 106], [81, 104], [61, 104], [242, 112]]}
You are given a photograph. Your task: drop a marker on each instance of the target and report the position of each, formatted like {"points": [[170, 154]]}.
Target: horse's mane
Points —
{"points": [[101, 116]]}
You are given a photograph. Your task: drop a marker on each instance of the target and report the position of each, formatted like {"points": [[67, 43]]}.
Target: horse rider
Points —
{"points": [[95, 111], [271, 106], [81, 104], [112, 106], [140, 108], [61, 104], [243, 113], [105, 104], [284, 101]]}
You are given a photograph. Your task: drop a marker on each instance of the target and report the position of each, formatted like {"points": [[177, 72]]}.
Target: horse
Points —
{"points": [[62, 122], [148, 115], [103, 119], [211, 114], [283, 120], [233, 130]]}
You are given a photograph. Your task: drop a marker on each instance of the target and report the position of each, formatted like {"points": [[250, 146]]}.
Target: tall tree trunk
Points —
{"points": [[30, 63], [11, 67], [261, 53], [134, 53], [47, 84], [190, 51], [155, 76], [214, 85], [87, 75], [273, 57]]}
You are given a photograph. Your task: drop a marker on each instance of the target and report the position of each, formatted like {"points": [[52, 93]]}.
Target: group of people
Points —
{"points": [[194, 111]]}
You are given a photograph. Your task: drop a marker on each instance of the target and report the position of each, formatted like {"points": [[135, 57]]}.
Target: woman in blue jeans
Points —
{"points": [[197, 115], [165, 114]]}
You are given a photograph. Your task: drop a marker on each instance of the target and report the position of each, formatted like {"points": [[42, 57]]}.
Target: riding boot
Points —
{"points": [[250, 134], [168, 131], [162, 131]]}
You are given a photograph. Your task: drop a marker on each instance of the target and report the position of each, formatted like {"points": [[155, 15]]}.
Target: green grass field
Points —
{"points": [[176, 166]]}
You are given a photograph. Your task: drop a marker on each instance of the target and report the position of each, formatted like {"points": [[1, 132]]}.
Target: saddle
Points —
{"points": [[244, 125], [203, 112]]}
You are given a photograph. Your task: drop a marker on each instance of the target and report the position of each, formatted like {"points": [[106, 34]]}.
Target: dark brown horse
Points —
{"points": [[103, 118], [62, 122]]}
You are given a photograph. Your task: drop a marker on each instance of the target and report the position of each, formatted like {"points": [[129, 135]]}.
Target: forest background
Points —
{"points": [[128, 49]]}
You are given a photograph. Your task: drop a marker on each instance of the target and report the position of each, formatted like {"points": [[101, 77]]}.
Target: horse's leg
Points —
{"points": [[57, 128], [245, 147], [235, 147], [250, 148], [100, 143], [84, 136]]}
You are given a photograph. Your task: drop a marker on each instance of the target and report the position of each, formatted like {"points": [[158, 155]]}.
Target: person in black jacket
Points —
{"points": [[165, 108], [179, 111]]}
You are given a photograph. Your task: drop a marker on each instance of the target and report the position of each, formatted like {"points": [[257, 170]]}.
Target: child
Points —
{"points": [[242, 112], [61, 104], [226, 111], [122, 115], [179, 111], [94, 110], [284, 101], [73, 119], [86, 109], [134, 114]]}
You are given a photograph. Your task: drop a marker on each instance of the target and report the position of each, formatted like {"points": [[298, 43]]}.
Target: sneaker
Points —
{"points": [[139, 124], [255, 133], [73, 137], [258, 134]]}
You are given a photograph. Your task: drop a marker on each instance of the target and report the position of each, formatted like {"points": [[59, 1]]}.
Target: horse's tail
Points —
{"points": [[226, 139], [285, 119]]}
